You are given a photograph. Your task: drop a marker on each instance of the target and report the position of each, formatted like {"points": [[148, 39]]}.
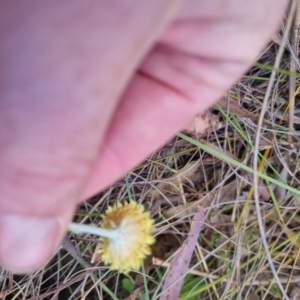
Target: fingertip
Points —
{"points": [[27, 242]]}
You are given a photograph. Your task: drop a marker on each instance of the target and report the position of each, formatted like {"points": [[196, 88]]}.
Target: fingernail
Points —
{"points": [[27, 242]]}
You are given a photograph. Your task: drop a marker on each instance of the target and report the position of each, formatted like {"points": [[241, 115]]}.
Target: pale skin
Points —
{"points": [[88, 89]]}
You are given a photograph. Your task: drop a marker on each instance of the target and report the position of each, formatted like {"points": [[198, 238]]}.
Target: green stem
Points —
{"points": [[80, 228]]}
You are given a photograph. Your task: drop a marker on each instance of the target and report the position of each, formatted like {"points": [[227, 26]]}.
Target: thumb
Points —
{"points": [[27, 241], [59, 64]]}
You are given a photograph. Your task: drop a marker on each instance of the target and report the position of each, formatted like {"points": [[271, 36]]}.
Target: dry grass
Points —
{"points": [[230, 260]]}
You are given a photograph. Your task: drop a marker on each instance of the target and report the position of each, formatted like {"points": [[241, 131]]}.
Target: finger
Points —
{"points": [[63, 67], [198, 59]]}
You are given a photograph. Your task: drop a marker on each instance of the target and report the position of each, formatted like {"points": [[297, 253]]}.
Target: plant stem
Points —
{"points": [[81, 228]]}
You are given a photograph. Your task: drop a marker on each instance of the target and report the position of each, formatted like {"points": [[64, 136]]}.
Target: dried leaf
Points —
{"points": [[280, 192], [180, 262], [263, 191], [189, 173], [226, 193], [134, 294], [181, 211], [201, 124], [239, 111]]}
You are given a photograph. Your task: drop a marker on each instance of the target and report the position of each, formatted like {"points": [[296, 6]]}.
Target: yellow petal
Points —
{"points": [[132, 244]]}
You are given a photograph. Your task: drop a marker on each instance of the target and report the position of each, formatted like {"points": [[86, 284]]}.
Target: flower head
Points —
{"points": [[132, 237]]}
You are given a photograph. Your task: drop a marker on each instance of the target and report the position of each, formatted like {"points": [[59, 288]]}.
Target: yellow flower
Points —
{"points": [[130, 244], [126, 236]]}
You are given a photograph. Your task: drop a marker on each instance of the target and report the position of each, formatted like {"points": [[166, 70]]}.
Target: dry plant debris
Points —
{"points": [[202, 123], [180, 262]]}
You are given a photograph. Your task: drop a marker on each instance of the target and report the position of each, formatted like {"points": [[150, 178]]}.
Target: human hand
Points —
{"points": [[90, 88]]}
